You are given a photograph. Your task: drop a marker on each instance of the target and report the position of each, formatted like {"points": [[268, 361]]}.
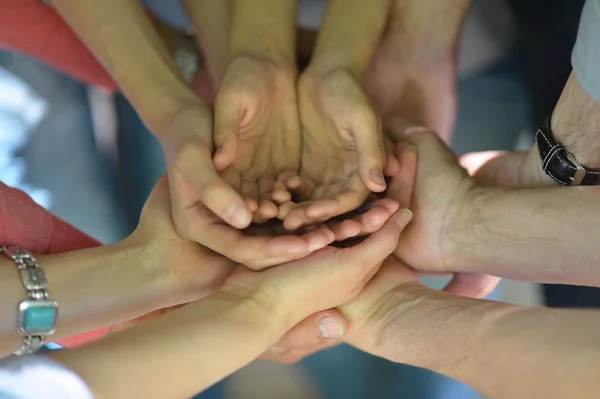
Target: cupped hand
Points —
{"points": [[325, 279], [193, 271], [257, 131], [206, 208], [342, 148]]}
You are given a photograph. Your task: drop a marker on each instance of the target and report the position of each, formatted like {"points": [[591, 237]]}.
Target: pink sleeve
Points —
{"points": [[25, 223], [33, 28]]}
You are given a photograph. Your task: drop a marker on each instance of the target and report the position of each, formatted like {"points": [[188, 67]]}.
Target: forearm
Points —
{"points": [[194, 347], [125, 41], [212, 23], [264, 28], [94, 288], [504, 351], [576, 123], [349, 34], [540, 234], [431, 26]]}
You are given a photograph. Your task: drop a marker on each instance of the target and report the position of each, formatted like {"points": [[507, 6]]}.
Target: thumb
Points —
{"points": [[370, 148], [228, 115], [434, 154], [472, 285]]}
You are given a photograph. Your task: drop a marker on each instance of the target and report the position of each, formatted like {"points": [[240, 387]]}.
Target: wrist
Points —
{"points": [[260, 306], [457, 236], [100, 287], [576, 123], [399, 314], [268, 34], [430, 26]]}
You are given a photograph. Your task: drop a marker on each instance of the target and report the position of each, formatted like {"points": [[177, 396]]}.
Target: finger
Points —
{"points": [[249, 189], [346, 229], [300, 187], [251, 204], [259, 252], [315, 240], [196, 167], [392, 165], [318, 331], [381, 244], [314, 330], [428, 142], [266, 210], [402, 185], [374, 215], [370, 148], [353, 195], [374, 219], [472, 285], [281, 192], [228, 115]]}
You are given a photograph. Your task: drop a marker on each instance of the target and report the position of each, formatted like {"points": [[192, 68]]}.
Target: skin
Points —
{"points": [[257, 131], [502, 350], [413, 73], [182, 121], [152, 272], [248, 314], [343, 150]]}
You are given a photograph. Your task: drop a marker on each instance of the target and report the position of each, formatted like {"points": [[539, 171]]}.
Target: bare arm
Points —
{"points": [[94, 288], [212, 23], [123, 38], [543, 234], [504, 351], [178, 354], [264, 28], [575, 124], [349, 35]]}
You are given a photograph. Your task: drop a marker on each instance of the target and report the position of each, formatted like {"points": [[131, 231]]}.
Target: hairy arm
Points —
{"points": [[541, 234], [504, 351]]}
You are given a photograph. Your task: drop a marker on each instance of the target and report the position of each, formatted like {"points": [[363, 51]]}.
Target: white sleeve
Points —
{"points": [[36, 377], [586, 54]]}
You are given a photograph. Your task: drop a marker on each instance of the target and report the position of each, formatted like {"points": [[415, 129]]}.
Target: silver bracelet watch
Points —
{"points": [[37, 314]]}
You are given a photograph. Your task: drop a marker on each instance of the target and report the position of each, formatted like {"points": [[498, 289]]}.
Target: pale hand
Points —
{"points": [[342, 148], [257, 132]]}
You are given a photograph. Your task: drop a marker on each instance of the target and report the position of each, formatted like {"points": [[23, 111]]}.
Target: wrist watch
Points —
{"points": [[560, 164], [37, 314]]}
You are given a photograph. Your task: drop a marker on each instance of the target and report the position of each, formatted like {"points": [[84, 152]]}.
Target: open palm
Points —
{"points": [[342, 149], [257, 132]]}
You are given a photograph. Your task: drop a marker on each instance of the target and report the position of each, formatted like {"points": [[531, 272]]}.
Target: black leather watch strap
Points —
{"points": [[561, 165]]}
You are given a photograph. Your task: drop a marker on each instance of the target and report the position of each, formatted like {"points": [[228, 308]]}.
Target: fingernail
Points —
{"points": [[330, 328], [238, 216], [404, 217], [377, 176]]}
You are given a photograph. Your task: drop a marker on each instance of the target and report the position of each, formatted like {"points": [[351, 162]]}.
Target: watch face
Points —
{"points": [[37, 317]]}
